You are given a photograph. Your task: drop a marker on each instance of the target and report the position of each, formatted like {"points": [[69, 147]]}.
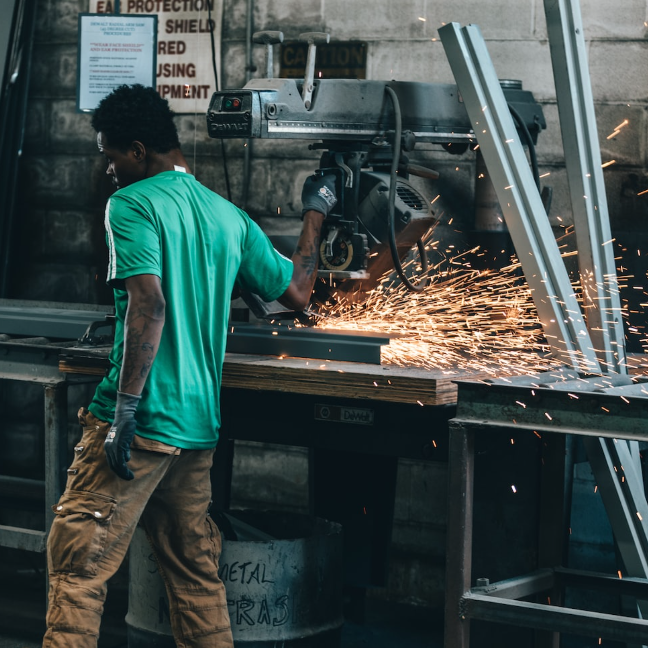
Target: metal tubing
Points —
{"points": [[586, 185], [637, 587], [459, 533], [518, 194], [25, 539]]}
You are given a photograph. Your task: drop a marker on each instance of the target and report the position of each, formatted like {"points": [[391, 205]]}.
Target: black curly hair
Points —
{"points": [[136, 112]]}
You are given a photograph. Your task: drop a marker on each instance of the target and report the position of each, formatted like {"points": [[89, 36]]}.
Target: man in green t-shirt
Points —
{"points": [[175, 250]]}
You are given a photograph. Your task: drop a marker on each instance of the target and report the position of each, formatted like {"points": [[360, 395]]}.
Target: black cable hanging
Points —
{"points": [[213, 50], [529, 142], [392, 198]]}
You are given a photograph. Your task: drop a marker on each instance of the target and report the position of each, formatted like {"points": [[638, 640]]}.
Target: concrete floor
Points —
{"points": [[22, 613], [387, 626]]}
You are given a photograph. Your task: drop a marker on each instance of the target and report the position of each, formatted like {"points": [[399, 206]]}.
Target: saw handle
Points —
{"points": [[268, 38], [313, 39]]}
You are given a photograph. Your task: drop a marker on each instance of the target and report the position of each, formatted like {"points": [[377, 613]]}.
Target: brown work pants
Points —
{"points": [[95, 521]]}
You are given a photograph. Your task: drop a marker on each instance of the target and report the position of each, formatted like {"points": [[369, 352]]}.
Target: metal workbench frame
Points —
{"points": [[37, 363], [477, 408]]}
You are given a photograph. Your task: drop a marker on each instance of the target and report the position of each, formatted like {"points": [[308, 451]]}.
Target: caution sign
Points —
{"points": [[338, 60], [186, 56]]}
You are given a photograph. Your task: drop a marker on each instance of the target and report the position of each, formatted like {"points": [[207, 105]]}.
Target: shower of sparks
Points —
{"points": [[477, 320], [469, 320], [617, 130]]}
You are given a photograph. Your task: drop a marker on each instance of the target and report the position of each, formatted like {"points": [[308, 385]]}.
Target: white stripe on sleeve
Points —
{"points": [[112, 254]]}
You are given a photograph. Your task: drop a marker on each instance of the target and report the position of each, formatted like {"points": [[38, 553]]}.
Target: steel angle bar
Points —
{"points": [[534, 241], [630, 537], [305, 343], [631, 484], [586, 185]]}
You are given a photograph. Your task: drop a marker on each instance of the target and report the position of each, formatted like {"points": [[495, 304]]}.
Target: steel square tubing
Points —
{"points": [[534, 241], [552, 618], [551, 410]]}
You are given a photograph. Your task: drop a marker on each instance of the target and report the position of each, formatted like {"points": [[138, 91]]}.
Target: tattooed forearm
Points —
{"points": [[308, 259], [305, 260], [142, 334]]}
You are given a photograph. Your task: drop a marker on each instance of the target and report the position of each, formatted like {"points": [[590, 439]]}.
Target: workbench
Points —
{"points": [[549, 409], [356, 419]]}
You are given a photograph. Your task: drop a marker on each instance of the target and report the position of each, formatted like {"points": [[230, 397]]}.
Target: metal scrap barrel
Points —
{"points": [[284, 589]]}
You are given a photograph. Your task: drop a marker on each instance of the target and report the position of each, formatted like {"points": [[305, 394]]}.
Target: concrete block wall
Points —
{"points": [[63, 187]]}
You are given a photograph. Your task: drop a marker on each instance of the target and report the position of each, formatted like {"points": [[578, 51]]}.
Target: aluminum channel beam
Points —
{"points": [[586, 185], [522, 207]]}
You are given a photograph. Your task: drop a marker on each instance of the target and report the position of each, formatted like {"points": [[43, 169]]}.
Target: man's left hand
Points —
{"points": [[120, 437]]}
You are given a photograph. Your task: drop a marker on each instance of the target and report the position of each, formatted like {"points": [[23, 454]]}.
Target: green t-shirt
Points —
{"points": [[197, 243]]}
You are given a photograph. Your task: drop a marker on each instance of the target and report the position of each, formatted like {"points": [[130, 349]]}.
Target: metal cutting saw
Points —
{"points": [[366, 131]]}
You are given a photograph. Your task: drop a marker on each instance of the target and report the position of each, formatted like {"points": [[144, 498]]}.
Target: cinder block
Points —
{"points": [[292, 17], [61, 180], [422, 60], [54, 71], [379, 19], [194, 140], [233, 64], [421, 493], [234, 20], [37, 127], [70, 283], [209, 171], [530, 62], [415, 580], [285, 181], [498, 19], [621, 132], [65, 15], [42, 30], [618, 71], [65, 234], [601, 23], [71, 132]]}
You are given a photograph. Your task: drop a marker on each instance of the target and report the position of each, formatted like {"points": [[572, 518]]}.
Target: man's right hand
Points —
{"points": [[318, 194]]}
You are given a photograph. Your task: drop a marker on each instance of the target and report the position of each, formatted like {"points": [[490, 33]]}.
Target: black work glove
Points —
{"points": [[318, 194], [118, 441]]}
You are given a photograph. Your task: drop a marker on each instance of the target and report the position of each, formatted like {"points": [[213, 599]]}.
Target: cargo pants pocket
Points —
{"points": [[79, 532]]}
